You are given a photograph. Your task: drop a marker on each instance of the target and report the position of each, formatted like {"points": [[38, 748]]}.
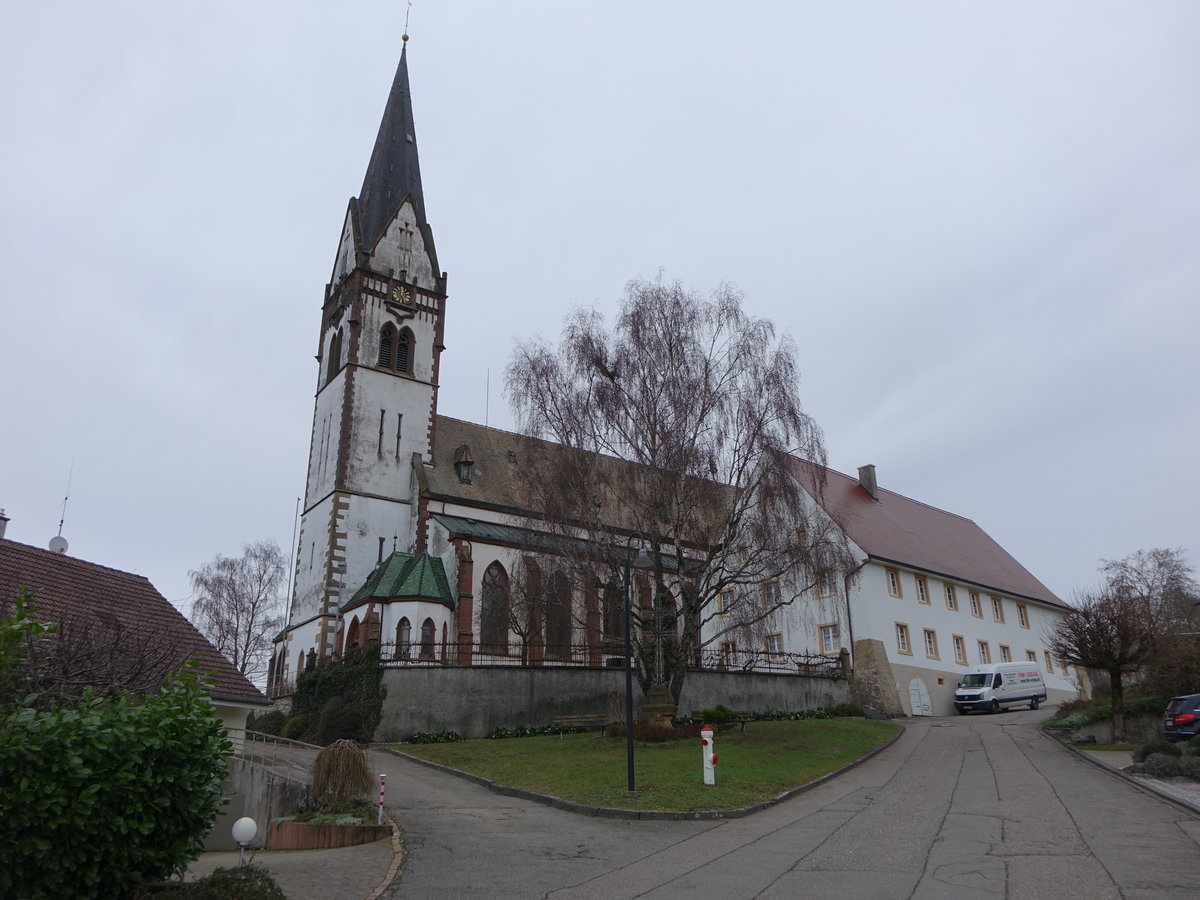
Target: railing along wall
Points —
{"points": [[589, 655]]}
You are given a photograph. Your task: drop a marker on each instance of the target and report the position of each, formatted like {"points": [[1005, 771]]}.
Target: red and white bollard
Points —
{"points": [[382, 783], [708, 750]]}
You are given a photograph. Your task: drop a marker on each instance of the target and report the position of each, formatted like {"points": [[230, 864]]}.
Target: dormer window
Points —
{"points": [[463, 461]]}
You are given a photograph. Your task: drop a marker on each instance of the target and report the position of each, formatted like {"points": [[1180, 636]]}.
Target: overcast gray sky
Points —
{"points": [[979, 221]]}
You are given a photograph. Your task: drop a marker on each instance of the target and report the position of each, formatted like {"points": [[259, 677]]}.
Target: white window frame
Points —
{"points": [[828, 631], [931, 645]]}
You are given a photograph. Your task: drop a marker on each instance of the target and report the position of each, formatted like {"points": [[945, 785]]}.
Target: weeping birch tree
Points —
{"points": [[673, 435]]}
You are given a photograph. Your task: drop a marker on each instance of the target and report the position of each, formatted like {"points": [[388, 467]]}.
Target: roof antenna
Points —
{"points": [[487, 396], [58, 543]]}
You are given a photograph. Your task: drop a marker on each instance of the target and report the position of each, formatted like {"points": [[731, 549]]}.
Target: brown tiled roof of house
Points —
{"points": [[67, 589], [900, 530]]}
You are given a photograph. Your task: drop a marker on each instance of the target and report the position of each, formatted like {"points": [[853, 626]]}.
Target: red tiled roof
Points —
{"points": [[904, 531], [71, 590]]}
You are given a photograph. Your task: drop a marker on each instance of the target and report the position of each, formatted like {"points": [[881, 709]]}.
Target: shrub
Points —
{"points": [[514, 732], [250, 882], [717, 715], [296, 729], [1069, 706], [1079, 716], [340, 720], [1193, 746], [1164, 748], [107, 794], [341, 699], [273, 721], [340, 774], [428, 737], [849, 710], [1160, 765]]}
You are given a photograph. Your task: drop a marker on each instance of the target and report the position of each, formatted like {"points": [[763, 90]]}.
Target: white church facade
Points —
{"points": [[413, 525]]}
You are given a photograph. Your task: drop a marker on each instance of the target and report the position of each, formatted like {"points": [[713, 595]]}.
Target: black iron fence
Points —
{"points": [[716, 659]]}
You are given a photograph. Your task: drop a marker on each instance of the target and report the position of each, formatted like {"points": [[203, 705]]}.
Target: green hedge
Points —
{"points": [[103, 795]]}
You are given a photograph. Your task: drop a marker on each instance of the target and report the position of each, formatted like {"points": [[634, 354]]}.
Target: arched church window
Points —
{"points": [[493, 610], [334, 362], [404, 348], [403, 638], [387, 341], [613, 609], [558, 617], [353, 640], [427, 631]]}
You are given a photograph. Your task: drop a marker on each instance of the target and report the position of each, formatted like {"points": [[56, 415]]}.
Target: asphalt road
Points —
{"points": [[963, 808]]}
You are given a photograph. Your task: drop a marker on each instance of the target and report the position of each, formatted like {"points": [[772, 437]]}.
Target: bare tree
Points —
{"points": [[1109, 630], [238, 605], [87, 653], [673, 433], [1162, 579]]}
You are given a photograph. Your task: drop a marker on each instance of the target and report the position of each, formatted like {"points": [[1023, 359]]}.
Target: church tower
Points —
{"points": [[378, 354]]}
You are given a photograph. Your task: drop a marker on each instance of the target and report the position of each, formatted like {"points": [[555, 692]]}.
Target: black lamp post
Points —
{"points": [[628, 672]]}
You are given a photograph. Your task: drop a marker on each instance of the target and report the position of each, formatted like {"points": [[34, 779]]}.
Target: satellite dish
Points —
{"points": [[58, 544]]}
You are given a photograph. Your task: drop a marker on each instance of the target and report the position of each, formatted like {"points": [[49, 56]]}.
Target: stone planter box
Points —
{"points": [[302, 836]]}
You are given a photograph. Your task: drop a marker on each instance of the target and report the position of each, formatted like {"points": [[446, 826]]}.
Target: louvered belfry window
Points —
{"points": [[387, 340], [403, 351]]}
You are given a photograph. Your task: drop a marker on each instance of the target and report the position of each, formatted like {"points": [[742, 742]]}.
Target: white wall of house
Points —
{"points": [[1002, 628]]}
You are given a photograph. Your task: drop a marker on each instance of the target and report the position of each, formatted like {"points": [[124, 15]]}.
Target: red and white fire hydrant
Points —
{"points": [[708, 750]]}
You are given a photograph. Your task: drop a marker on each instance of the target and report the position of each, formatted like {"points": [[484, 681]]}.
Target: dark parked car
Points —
{"points": [[1181, 721]]}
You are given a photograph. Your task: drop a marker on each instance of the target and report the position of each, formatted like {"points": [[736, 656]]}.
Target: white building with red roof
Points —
{"points": [[934, 595]]}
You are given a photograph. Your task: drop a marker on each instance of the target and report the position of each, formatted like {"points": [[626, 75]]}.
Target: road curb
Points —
{"points": [[1141, 783], [609, 812]]}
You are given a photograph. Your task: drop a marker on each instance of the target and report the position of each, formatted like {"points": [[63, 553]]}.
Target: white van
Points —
{"points": [[1000, 684]]}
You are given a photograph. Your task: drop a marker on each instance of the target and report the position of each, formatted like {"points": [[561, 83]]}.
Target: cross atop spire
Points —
{"points": [[394, 171]]}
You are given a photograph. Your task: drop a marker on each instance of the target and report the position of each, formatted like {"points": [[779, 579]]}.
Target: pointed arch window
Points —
{"points": [[403, 638], [404, 348], [427, 637], [494, 606], [558, 617], [334, 361], [613, 609], [387, 346], [353, 637]]}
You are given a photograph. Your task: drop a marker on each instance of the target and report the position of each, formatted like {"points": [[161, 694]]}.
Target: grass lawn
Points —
{"points": [[769, 759]]}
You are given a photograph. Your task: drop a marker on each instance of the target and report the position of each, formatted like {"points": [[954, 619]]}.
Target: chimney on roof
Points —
{"points": [[3, 524], [866, 477]]}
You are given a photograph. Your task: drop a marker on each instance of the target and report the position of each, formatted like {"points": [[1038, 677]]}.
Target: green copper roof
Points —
{"points": [[403, 576]]}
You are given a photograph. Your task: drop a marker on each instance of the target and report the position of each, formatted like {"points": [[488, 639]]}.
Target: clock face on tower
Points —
{"points": [[400, 295]]}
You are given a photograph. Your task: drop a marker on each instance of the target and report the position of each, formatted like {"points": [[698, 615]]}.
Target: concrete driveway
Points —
{"points": [[980, 806]]}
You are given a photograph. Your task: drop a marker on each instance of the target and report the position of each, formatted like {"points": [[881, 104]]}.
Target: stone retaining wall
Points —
{"points": [[475, 700]]}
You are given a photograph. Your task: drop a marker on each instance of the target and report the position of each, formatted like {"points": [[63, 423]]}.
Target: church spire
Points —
{"points": [[394, 171]]}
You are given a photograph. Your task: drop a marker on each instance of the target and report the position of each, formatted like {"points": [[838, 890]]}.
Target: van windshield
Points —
{"points": [[975, 680]]}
